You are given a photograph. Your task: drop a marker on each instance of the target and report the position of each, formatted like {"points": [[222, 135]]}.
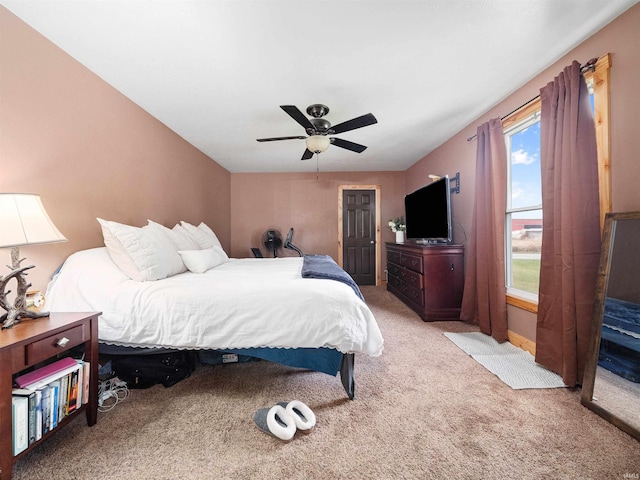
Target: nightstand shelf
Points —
{"points": [[36, 341]]}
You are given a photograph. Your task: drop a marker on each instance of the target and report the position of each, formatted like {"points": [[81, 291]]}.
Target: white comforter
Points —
{"points": [[242, 303]]}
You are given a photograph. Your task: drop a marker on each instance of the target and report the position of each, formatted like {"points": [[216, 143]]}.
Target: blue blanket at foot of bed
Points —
{"points": [[324, 267]]}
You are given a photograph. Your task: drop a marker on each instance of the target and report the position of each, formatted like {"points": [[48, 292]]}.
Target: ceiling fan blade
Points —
{"points": [[298, 116], [359, 122], [354, 147], [307, 154], [279, 138]]}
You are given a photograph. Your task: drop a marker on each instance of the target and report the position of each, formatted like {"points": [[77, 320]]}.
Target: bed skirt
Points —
{"points": [[324, 360]]}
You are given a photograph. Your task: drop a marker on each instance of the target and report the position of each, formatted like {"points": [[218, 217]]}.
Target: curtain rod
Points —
{"points": [[590, 65]]}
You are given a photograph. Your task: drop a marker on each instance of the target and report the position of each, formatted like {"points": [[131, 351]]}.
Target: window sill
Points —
{"points": [[522, 303]]}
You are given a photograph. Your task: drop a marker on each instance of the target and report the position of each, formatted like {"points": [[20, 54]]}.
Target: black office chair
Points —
{"points": [[288, 244], [257, 253]]}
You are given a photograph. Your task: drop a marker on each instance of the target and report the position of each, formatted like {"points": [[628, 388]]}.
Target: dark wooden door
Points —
{"points": [[359, 235]]}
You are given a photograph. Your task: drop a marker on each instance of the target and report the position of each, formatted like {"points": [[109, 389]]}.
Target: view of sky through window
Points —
{"points": [[525, 168]]}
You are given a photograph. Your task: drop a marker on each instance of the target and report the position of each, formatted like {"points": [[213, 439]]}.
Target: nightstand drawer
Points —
{"points": [[49, 347]]}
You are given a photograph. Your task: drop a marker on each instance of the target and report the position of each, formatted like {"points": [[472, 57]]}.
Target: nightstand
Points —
{"points": [[37, 341]]}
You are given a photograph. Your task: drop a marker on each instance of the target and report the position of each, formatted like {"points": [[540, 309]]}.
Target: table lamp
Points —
{"points": [[23, 221]]}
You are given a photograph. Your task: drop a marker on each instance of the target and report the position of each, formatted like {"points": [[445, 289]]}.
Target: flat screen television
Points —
{"points": [[428, 213]]}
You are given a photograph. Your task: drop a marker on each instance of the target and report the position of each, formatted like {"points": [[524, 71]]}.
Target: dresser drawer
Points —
{"points": [[394, 270], [413, 294], [393, 257], [411, 278], [394, 280], [48, 347], [412, 262]]}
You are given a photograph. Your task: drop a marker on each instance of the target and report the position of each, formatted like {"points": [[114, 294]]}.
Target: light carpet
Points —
{"points": [[514, 366], [423, 410]]}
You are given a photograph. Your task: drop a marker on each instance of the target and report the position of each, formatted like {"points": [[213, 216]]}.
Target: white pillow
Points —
{"points": [[180, 238], [143, 254], [206, 229], [202, 234], [199, 261], [186, 241], [222, 254]]}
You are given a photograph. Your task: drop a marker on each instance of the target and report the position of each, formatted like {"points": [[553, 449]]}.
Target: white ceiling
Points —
{"points": [[216, 71]]}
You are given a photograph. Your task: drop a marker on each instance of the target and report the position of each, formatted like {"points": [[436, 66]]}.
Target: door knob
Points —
{"points": [[372, 242]]}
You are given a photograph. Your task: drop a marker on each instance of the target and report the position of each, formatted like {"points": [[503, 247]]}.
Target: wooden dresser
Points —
{"points": [[428, 278]]}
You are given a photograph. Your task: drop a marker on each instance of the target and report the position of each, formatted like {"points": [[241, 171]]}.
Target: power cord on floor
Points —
{"points": [[111, 392]]}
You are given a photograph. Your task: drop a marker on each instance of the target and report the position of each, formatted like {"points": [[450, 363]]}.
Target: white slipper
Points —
{"points": [[303, 416], [276, 421]]}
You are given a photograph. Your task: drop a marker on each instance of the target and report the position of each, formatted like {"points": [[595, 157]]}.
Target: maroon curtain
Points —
{"points": [[484, 300], [571, 225]]}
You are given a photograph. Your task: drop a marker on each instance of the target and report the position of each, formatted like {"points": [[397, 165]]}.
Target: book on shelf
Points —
{"points": [[85, 382], [48, 379], [38, 414], [63, 397], [42, 373], [55, 391], [20, 419], [50, 397], [73, 392], [80, 385], [46, 409], [32, 400]]}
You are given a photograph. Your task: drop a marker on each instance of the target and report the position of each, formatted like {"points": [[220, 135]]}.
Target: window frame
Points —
{"points": [[600, 76], [524, 123]]}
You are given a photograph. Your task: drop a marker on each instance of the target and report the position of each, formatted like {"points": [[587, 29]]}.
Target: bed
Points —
{"points": [[620, 341], [262, 308]]}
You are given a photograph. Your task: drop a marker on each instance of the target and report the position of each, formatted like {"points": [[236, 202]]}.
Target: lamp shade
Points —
{"points": [[317, 143], [24, 221]]}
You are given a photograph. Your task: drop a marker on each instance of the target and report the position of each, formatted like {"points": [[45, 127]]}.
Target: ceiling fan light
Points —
{"points": [[317, 143]]}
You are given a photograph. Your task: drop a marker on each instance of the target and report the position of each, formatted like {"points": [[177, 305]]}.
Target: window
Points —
{"points": [[523, 221], [523, 215]]}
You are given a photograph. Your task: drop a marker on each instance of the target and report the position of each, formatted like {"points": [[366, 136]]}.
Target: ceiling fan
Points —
{"points": [[318, 129]]}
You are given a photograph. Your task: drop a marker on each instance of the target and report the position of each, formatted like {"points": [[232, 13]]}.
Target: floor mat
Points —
{"points": [[515, 367]]}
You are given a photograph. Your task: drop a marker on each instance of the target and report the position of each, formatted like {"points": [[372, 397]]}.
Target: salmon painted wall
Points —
{"points": [[90, 152], [621, 38], [308, 203]]}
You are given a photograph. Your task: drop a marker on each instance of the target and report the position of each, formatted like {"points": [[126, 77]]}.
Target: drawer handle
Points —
{"points": [[62, 342]]}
